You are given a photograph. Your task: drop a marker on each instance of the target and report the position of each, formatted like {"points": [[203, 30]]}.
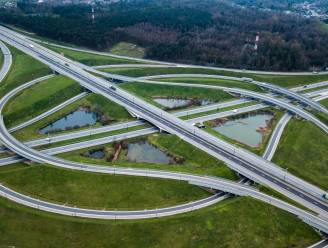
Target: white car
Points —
{"points": [[235, 111], [31, 45]]}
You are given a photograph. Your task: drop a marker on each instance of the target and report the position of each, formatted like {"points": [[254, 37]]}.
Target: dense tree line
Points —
{"points": [[206, 32]]}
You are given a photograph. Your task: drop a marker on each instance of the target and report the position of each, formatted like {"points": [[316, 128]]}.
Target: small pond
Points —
{"points": [[172, 103], [79, 118], [246, 129], [97, 154], [144, 152]]}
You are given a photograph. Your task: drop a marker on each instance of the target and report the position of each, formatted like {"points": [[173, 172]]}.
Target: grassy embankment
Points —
{"points": [[101, 191], [150, 91], [254, 224], [89, 58], [128, 49], [39, 98], [303, 151], [322, 116], [23, 69]]}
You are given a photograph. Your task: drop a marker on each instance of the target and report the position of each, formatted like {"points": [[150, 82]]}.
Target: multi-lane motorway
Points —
{"points": [[274, 88], [165, 121], [251, 94], [252, 166], [7, 61]]}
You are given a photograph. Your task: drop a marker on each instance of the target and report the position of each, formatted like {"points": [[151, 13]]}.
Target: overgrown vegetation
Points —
{"points": [[207, 32], [193, 160]]}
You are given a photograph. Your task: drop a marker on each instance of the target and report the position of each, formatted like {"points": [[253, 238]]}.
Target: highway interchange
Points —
{"points": [[269, 174]]}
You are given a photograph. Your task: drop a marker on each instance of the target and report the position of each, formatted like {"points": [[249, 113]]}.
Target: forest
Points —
{"points": [[209, 32]]}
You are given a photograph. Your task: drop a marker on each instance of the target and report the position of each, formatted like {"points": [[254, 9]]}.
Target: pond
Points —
{"points": [[79, 118], [144, 152], [172, 103], [97, 154], [247, 129]]}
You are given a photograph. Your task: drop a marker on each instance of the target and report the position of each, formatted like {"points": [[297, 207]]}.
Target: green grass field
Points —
{"points": [[149, 91], [303, 150], [325, 102], [254, 224], [23, 69], [39, 98], [89, 58], [128, 49], [115, 112], [101, 191]]}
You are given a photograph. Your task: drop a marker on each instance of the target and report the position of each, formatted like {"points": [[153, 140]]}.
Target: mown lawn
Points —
{"points": [[237, 222], [39, 98], [115, 112], [150, 91], [24, 68], [89, 58], [99, 191], [303, 150]]}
